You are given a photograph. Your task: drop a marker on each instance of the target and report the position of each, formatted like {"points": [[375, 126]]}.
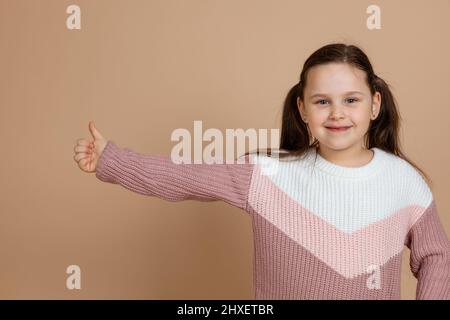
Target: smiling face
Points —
{"points": [[336, 95]]}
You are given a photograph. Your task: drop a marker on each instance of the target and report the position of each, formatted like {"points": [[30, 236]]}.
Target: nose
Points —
{"points": [[336, 112]]}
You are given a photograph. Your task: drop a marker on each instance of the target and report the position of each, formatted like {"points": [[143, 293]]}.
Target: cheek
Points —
{"points": [[318, 118], [360, 118]]}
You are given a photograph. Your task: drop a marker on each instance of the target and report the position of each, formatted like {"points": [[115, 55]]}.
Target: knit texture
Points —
{"points": [[321, 231]]}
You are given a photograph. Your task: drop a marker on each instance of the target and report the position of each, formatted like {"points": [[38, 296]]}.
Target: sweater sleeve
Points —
{"points": [[430, 256], [156, 175]]}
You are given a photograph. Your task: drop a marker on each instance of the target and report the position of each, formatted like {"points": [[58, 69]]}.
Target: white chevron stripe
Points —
{"points": [[349, 204]]}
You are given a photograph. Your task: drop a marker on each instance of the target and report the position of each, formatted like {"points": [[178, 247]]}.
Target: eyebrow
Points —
{"points": [[345, 93]]}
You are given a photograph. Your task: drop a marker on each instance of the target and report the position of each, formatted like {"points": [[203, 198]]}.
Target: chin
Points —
{"points": [[337, 146]]}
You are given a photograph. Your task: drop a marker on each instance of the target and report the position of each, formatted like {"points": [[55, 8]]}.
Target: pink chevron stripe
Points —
{"points": [[375, 244], [284, 269]]}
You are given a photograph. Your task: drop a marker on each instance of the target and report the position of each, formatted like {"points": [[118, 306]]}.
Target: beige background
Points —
{"points": [[141, 69]]}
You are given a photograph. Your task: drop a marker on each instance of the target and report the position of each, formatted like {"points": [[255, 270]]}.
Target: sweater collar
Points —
{"points": [[375, 164]]}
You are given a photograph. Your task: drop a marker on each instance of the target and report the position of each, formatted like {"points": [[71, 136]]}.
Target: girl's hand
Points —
{"points": [[87, 152]]}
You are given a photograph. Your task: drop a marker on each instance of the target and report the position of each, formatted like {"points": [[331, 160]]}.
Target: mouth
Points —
{"points": [[338, 129]]}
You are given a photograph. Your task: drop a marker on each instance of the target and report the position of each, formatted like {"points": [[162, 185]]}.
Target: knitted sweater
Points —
{"points": [[321, 231]]}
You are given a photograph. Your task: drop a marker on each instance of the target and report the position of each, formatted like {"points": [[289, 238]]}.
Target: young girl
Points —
{"points": [[332, 221]]}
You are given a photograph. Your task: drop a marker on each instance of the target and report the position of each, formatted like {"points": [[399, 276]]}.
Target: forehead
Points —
{"points": [[334, 79]]}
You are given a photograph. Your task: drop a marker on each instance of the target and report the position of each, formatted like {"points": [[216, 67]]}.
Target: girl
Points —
{"points": [[334, 232]]}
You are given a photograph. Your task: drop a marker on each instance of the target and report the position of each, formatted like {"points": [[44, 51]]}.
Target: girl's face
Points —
{"points": [[337, 95]]}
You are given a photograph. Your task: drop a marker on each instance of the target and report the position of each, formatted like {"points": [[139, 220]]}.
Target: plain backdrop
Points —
{"points": [[141, 69]]}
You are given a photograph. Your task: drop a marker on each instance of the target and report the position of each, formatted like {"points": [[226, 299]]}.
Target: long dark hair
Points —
{"points": [[383, 132]]}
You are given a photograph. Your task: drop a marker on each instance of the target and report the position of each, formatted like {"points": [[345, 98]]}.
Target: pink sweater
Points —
{"points": [[321, 231]]}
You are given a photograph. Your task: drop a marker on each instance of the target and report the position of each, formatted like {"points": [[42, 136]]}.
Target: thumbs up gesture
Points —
{"points": [[87, 152]]}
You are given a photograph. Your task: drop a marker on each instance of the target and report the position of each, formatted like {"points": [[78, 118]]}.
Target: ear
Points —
{"points": [[376, 105], [301, 108]]}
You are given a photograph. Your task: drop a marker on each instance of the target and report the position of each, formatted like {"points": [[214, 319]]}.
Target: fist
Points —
{"points": [[88, 151]]}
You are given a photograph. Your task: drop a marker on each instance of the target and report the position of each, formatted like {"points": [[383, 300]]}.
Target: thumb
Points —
{"points": [[94, 131]]}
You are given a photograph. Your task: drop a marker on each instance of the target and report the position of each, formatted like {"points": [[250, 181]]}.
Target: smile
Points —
{"points": [[341, 129]]}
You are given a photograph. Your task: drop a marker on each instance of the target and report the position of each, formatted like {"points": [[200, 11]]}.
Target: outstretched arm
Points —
{"points": [[430, 256], [156, 175]]}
